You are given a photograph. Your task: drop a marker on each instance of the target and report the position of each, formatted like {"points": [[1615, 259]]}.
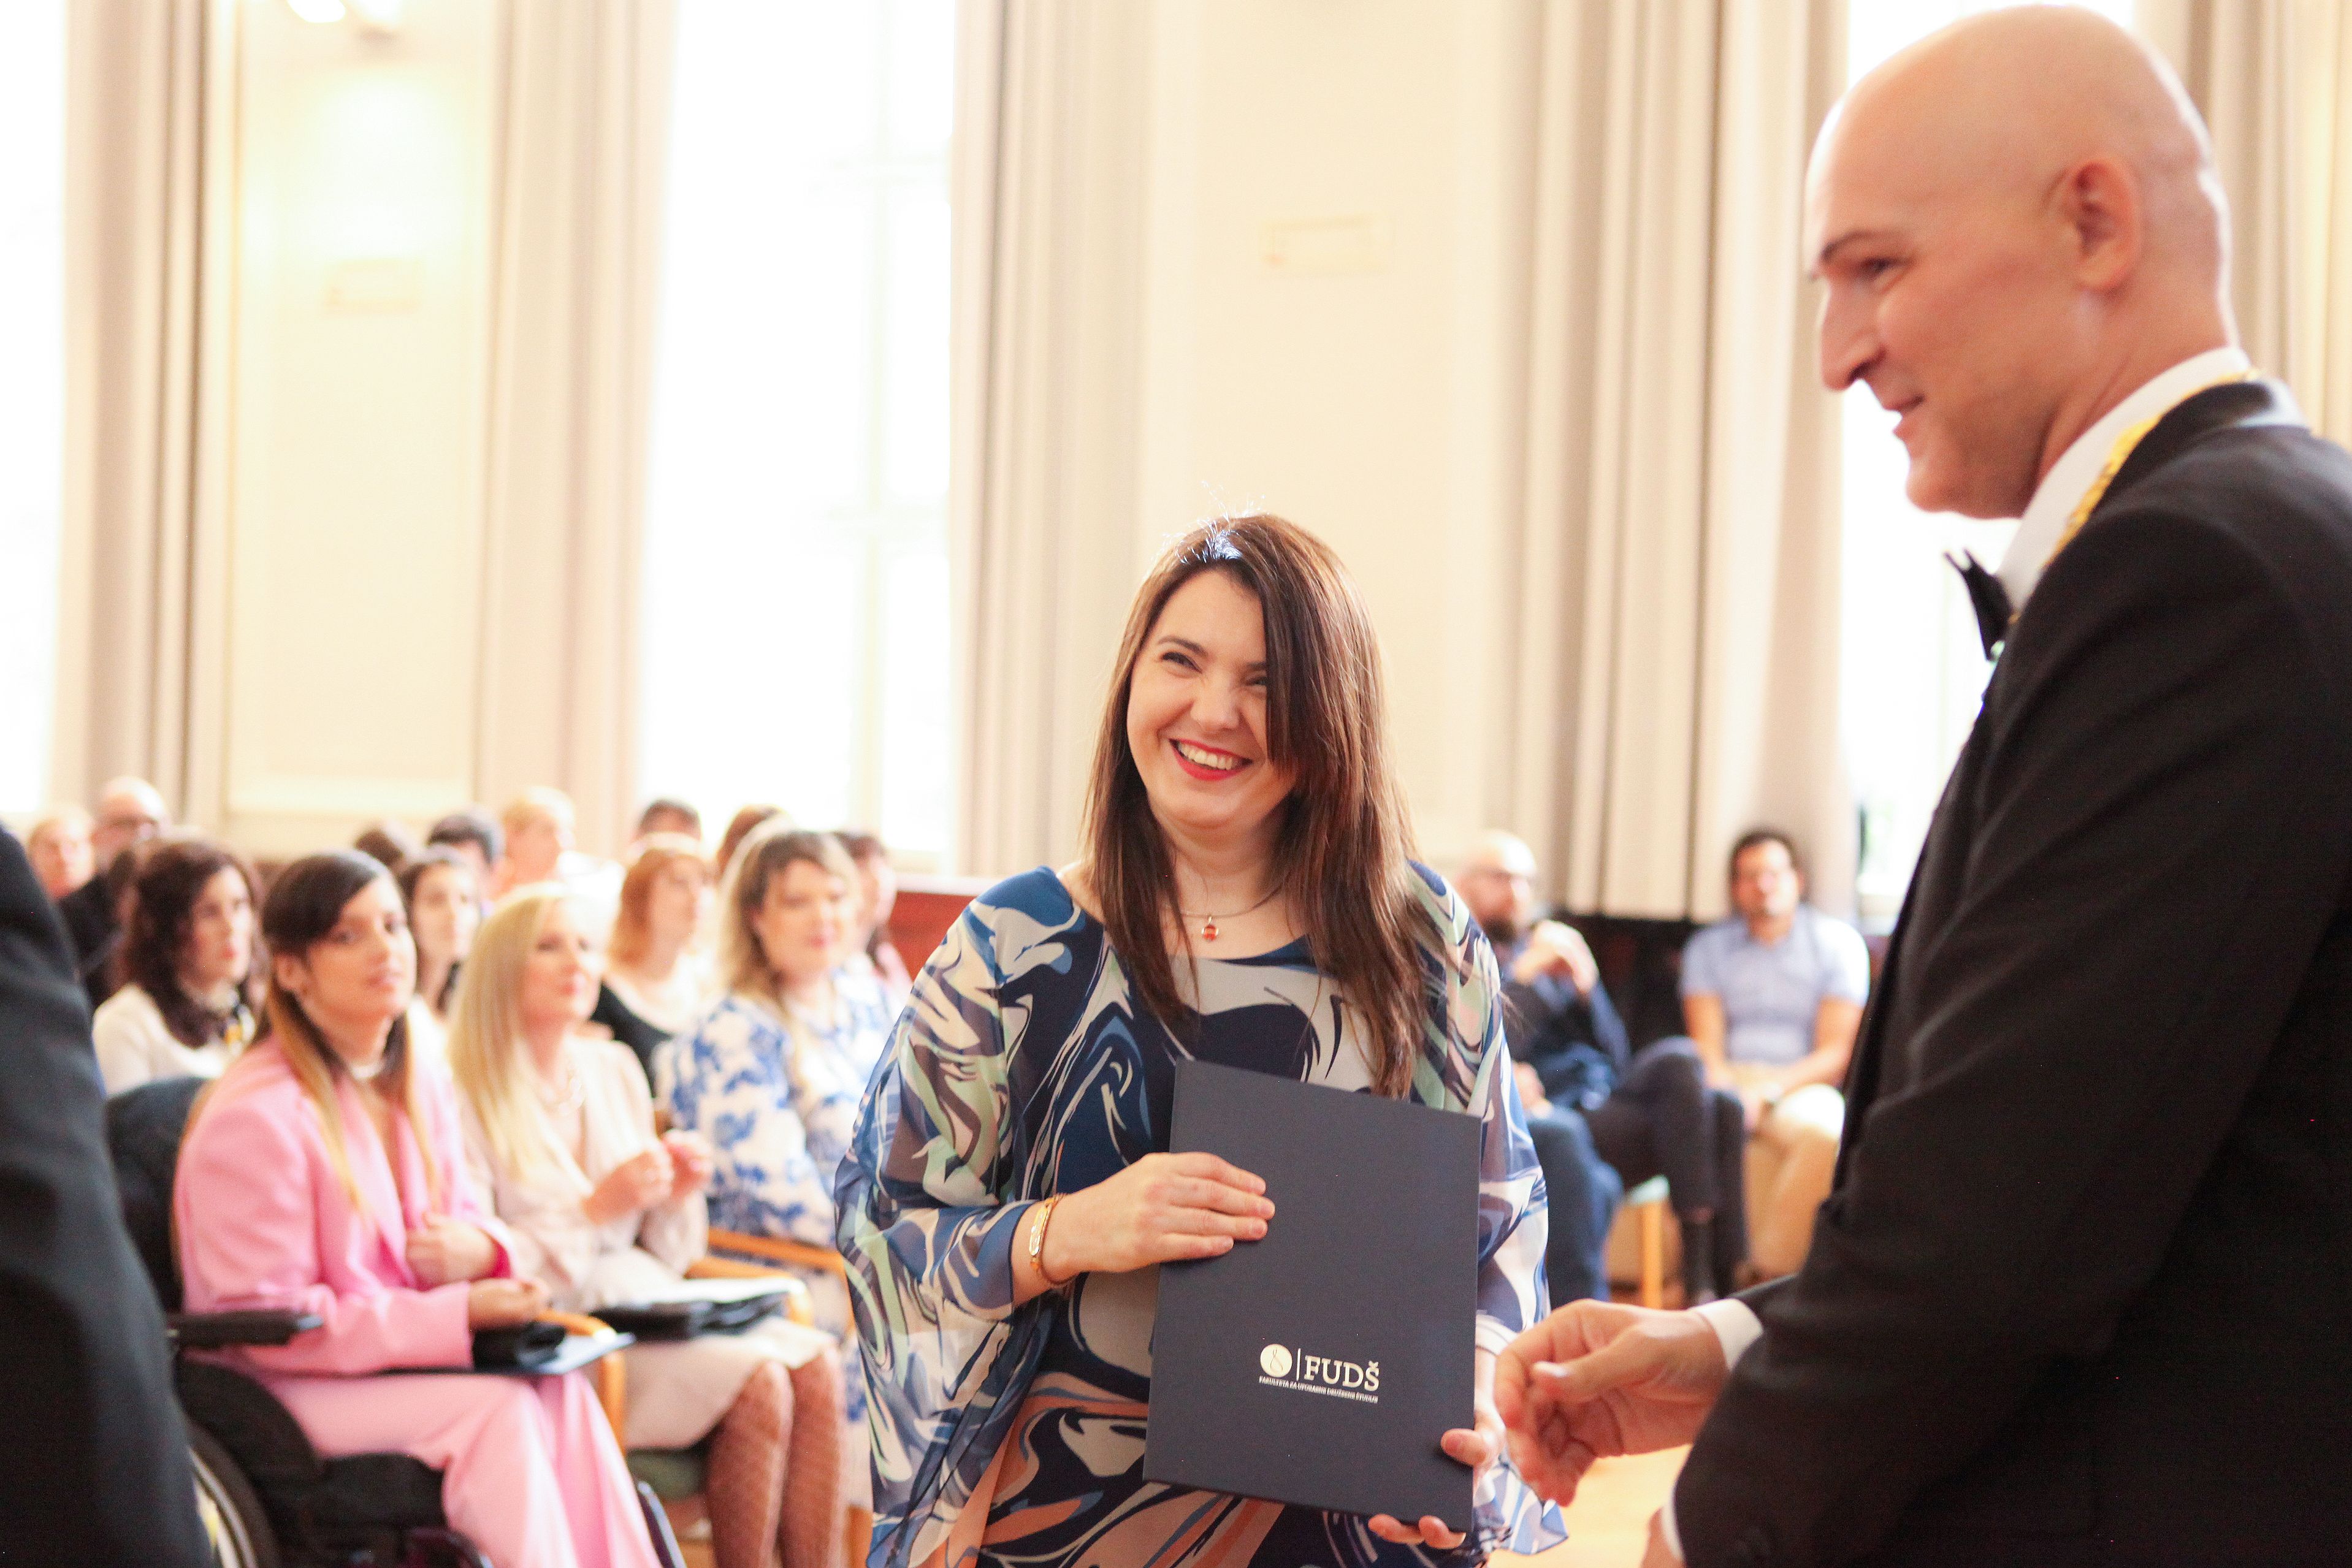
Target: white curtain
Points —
{"points": [[1677, 631], [1048, 194], [137, 308], [579, 214], [2274, 81]]}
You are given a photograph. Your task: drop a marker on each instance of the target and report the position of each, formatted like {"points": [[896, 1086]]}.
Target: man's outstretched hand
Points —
{"points": [[1595, 1380]]}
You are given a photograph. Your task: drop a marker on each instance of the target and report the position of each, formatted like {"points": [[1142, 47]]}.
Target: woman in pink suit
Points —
{"points": [[325, 1172]]}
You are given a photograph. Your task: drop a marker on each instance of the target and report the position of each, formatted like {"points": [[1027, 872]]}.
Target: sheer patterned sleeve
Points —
{"points": [[1513, 1216], [929, 1232]]}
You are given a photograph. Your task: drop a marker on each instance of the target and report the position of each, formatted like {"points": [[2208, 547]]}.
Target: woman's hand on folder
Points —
{"points": [[1595, 1380], [1477, 1445], [1162, 1209]]}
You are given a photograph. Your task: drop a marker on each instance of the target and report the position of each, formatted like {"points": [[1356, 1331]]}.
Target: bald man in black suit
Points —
{"points": [[2082, 1293]]}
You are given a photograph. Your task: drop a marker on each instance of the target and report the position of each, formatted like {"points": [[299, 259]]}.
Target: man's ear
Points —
{"points": [[2099, 202]]}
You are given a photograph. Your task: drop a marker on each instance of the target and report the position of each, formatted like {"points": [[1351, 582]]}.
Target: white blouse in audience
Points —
{"points": [[135, 1046], [677, 1391], [428, 1035]]}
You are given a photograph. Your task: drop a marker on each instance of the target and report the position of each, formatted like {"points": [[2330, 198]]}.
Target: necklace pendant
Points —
{"points": [[1209, 930]]}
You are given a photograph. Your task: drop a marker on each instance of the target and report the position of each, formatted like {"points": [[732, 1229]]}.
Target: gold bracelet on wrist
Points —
{"points": [[1043, 1217]]}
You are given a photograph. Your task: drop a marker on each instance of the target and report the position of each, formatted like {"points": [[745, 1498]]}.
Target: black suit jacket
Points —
{"points": [[93, 1459], [2082, 1293], [91, 929]]}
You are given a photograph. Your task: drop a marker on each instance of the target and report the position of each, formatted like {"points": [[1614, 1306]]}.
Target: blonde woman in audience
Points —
{"points": [[59, 847], [326, 1174], [654, 979], [878, 894], [443, 901], [188, 964], [771, 1074], [560, 1133]]}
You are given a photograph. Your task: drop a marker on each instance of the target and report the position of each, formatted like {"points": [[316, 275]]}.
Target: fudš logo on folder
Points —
{"points": [[1286, 1368], [1321, 1365]]}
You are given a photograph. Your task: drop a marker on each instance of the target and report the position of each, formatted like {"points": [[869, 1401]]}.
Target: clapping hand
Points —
{"points": [[1596, 1380], [1477, 1445], [445, 1251], [690, 1159], [634, 1186]]}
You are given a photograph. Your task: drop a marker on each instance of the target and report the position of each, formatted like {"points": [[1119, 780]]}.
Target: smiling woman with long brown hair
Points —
{"points": [[1246, 896]]}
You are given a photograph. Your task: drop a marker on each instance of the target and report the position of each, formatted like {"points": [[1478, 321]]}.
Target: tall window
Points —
{"points": [[1915, 669], [795, 586], [32, 392]]}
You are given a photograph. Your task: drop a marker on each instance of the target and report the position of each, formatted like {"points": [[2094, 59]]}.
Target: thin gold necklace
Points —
{"points": [[1209, 922]]}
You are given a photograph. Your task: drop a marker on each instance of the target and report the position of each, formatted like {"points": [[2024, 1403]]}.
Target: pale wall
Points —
{"points": [[1369, 401], [356, 494], [1374, 401]]}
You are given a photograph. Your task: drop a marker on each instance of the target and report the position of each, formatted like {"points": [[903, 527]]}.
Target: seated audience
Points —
{"points": [[1651, 1111], [390, 842], [1497, 886], [130, 811], [188, 967], [1772, 996], [772, 1073], [59, 848], [444, 901], [655, 982], [474, 835], [668, 814], [560, 1131], [878, 894], [326, 1172], [739, 828]]}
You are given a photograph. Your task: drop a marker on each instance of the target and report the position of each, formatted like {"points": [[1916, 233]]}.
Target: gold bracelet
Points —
{"points": [[1044, 1217]]}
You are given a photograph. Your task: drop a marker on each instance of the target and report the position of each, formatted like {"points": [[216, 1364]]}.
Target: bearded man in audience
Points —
{"points": [[130, 811], [1589, 1093], [1548, 974], [2079, 1295]]}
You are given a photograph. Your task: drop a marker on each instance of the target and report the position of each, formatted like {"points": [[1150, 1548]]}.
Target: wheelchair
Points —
{"points": [[269, 1500]]}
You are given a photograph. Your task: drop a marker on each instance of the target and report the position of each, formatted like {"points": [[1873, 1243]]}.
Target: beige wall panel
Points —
{"points": [[357, 412], [1335, 327]]}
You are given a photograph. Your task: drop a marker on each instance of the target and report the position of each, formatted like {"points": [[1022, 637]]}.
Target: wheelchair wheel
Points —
{"points": [[234, 1520]]}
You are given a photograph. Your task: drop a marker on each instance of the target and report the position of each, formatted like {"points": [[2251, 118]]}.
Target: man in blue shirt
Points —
{"points": [[1773, 998]]}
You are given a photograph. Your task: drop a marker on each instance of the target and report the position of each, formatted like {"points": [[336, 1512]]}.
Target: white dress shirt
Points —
{"points": [[2039, 533]]}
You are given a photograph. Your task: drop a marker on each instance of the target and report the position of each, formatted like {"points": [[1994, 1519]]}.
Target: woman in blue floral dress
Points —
{"points": [[1245, 898], [772, 1073]]}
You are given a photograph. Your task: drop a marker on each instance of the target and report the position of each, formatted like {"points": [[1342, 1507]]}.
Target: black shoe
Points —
{"points": [[1698, 1262]]}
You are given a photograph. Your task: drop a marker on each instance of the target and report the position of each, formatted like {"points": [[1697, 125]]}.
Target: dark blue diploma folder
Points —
{"points": [[1321, 1365]]}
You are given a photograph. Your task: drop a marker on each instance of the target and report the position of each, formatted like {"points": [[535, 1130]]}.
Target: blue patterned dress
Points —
{"points": [[778, 1105], [1022, 1067]]}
